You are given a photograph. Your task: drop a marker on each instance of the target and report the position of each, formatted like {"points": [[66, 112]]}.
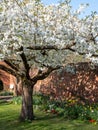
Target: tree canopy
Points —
{"points": [[43, 33]]}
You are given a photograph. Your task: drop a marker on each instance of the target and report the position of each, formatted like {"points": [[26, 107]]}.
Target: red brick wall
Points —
{"points": [[6, 78], [81, 85]]}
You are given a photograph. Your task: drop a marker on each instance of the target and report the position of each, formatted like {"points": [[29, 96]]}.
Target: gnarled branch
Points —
{"points": [[11, 64], [43, 74], [8, 70], [50, 47], [25, 62]]}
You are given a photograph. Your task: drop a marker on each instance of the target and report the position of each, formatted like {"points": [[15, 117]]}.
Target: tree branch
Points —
{"points": [[42, 75], [8, 70], [95, 55], [25, 62], [41, 63], [50, 47], [43, 47], [11, 65]]}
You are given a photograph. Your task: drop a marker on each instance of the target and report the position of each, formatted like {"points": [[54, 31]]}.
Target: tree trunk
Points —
{"points": [[27, 103]]}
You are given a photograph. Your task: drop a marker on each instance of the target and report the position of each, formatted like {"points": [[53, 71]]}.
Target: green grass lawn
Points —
{"points": [[9, 121]]}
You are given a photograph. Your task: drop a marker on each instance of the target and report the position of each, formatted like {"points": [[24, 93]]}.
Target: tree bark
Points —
{"points": [[27, 103]]}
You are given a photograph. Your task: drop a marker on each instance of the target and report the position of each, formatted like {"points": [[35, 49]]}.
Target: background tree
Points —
{"points": [[33, 35]]}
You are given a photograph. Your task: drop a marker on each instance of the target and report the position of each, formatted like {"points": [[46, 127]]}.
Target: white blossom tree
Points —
{"points": [[39, 36]]}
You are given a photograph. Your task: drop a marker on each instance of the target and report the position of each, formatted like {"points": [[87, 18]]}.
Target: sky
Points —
{"points": [[93, 4]]}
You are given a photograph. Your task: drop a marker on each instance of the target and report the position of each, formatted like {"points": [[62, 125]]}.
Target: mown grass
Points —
{"points": [[9, 114]]}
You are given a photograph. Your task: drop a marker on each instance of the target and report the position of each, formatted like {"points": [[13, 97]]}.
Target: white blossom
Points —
{"points": [[37, 24]]}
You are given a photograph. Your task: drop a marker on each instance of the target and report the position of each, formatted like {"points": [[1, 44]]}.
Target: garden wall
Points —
{"points": [[9, 81], [76, 81]]}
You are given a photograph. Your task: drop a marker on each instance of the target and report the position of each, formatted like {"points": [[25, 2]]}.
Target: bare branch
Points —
{"points": [[11, 64], [42, 75], [8, 70], [25, 62], [50, 47], [95, 55], [42, 47]]}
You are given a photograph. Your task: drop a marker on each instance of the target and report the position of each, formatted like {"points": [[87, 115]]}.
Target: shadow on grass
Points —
{"points": [[45, 116]]}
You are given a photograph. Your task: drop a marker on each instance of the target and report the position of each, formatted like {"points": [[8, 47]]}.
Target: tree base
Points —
{"points": [[22, 119]]}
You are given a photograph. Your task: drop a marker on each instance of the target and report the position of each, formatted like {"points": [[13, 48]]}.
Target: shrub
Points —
{"points": [[83, 112], [6, 93], [60, 111], [17, 100], [70, 109], [37, 99], [73, 112]]}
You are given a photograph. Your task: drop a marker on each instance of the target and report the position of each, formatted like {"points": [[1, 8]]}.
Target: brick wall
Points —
{"points": [[6, 78], [81, 83]]}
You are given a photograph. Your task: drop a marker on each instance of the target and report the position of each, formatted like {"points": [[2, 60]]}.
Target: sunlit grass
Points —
{"points": [[9, 114]]}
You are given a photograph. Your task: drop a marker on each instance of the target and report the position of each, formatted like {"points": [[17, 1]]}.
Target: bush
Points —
{"points": [[6, 93], [37, 99], [17, 100], [43, 101], [74, 111], [70, 109], [83, 112], [60, 111]]}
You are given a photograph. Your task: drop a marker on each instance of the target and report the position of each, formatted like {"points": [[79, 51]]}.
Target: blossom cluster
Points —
{"points": [[33, 23]]}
